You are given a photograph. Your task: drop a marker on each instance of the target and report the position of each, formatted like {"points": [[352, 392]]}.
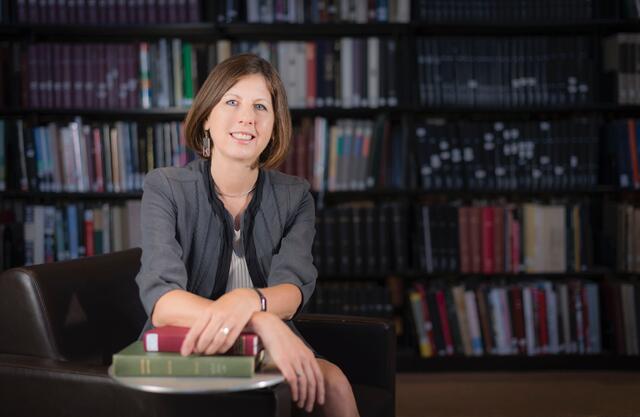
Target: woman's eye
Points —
{"points": [[261, 107], [232, 102]]}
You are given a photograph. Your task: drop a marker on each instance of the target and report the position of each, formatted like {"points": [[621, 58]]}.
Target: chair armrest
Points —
{"points": [[52, 310], [364, 348]]}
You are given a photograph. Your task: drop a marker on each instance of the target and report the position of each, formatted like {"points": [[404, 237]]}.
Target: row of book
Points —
{"points": [[621, 64], [621, 228], [99, 75], [349, 154], [558, 154], [362, 240], [352, 299], [519, 71], [499, 238], [78, 157], [371, 240], [341, 155], [528, 318], [35, 234], [346, 72], [502, 11], [314, 11], [92, 12], [622, 153]]}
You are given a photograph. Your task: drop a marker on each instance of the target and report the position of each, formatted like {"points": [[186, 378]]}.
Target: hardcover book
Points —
{"points": [[135, 361]]}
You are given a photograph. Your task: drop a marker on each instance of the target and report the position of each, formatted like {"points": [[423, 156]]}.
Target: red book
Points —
{"points": [[498, 239], [88, 233], [444, 320], [170, 338], [311, 74], [488, 241], [543, 335]]}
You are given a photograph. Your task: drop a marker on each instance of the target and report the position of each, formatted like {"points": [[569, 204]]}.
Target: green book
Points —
{"points": [[134, 361]]}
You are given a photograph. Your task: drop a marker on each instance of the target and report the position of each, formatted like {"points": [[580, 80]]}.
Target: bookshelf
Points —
{"points": [[393, 286]]}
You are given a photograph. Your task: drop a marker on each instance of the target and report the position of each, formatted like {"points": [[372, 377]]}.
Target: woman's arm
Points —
{"points": [[182, 308]]}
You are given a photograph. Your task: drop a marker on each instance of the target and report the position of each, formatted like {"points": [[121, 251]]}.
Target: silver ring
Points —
{"points": [[225, 330], [298, 374]]}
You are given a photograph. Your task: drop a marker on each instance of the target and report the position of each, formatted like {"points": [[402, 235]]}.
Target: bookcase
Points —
{"points": [[474, 163]]}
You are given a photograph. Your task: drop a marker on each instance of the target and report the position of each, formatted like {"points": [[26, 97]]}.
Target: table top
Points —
{"points": [[198, 385]]}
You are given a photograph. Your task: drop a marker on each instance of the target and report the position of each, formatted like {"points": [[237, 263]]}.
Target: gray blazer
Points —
{"points": [[186, 234]]}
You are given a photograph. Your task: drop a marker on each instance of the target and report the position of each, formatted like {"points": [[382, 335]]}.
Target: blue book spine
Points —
{"points": [[72, 224]]}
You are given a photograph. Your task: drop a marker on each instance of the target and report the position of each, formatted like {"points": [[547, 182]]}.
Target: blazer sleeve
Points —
{"points": [[162, 268], [293, 262]]}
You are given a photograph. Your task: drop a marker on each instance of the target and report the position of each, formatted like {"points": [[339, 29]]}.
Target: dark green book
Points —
{"points": [[134, 361]]}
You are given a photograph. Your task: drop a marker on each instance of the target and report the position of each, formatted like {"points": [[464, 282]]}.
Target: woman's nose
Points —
{"points": [[246, 115]]}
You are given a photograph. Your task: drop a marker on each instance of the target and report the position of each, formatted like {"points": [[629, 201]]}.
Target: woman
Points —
{"points": [[227, 241]]}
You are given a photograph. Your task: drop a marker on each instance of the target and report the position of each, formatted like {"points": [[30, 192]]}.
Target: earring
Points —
{"points": [[206, 145]]}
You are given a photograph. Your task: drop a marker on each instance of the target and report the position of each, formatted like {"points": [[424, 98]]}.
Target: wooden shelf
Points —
{"points": [[53, 196], [411, 362], [176, 113], [595, 273], [346, 196], [207, 31]]}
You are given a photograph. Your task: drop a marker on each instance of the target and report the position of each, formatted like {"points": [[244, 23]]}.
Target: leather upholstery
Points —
{"points": [[60, 323]]}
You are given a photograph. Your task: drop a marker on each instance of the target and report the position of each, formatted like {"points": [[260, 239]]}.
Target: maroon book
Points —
{"points": [[170, 338]]}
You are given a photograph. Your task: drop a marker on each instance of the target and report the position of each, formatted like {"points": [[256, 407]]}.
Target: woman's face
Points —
{"points": [[242, 122]]}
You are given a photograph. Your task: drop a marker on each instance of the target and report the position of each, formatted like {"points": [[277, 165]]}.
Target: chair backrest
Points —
{"points": [[84, 309]]}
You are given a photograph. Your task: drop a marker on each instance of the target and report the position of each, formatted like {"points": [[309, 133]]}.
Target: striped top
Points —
{"points": [[238, 271]]}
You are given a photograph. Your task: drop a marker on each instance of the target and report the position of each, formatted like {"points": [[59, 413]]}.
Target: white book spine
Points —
{"points": [[373, 69], [346, 72], [474, 323], [38, 244]]}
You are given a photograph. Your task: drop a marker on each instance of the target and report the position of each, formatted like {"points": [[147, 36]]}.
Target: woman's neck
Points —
{"points": [[233, 178]]}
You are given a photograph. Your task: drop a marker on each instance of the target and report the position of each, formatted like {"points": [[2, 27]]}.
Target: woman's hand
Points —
{"points": [[219, 326], [295, 360]]}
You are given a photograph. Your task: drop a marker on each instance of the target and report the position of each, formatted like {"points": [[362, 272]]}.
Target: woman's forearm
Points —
{"points": [[182, 308], [282, 300], [178, 308]]}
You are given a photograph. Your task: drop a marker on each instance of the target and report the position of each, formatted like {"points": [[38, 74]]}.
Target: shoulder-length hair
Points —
{"points": [[224, 76]]}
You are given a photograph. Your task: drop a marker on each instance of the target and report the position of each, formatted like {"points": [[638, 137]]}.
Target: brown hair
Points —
{"points": [[219, 81]]}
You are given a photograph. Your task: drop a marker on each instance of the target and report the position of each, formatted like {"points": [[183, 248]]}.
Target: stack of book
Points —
{"points": [[498, 238], [530, 318], [80, 157], [502, 11], [622, 153], [507, 155], [107, 12], [620, 62], [514, 72], [351, 298], [158, 354], [350, 155], [315, 11], [362, 240], [621, 247]]}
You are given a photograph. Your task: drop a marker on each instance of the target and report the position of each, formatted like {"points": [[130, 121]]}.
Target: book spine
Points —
{"points": [[151, 365]]}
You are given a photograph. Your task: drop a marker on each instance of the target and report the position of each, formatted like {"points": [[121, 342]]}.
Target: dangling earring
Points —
{"points": [[206, 145]]}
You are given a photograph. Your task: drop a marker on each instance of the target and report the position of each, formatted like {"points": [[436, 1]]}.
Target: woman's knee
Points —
{"points": [[336, 383]]}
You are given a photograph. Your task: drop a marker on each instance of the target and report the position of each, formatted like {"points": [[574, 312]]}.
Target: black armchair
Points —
{"points": [[60, 323]]}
